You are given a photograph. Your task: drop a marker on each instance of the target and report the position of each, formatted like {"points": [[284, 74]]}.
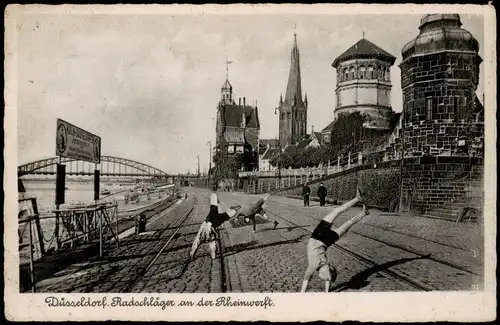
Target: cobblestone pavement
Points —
{"points": [[382, 253], [123, 269]]}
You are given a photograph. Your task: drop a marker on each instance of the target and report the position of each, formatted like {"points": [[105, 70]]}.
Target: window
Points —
{"points": [[351, 74], [380, 72], [386, 74], [370, 73], [230, 149], [362, 72], [346, 74], [429, 108], [288, 115], [239, 149]]}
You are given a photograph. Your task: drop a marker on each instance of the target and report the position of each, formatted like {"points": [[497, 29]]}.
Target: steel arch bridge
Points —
{"points": [[110, 166]]}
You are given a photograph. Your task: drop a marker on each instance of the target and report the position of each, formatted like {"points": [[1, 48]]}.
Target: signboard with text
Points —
{"points": [[76, 143]]}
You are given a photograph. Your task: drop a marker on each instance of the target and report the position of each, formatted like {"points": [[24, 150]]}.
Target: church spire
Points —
{"points": [[293, 88]]}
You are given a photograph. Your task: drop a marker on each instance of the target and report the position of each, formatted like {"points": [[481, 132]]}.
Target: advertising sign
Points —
{"points": [[73, 142]]}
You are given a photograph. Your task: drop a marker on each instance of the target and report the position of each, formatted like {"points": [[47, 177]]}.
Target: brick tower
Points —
{"points": [[443, 121], [293, 110], [439, 78]]}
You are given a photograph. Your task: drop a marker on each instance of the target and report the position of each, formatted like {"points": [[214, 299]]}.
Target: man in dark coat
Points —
{"points": [[322, 194], [306, 191]]}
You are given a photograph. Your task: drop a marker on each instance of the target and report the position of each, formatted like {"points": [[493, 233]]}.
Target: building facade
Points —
{"points": [[293, 109], [363, 85], [237, 130]]}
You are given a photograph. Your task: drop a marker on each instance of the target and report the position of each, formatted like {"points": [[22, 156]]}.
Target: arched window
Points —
{"points": [[370, 73], [346, 74], [362, 72], [351, 73], [380, 72]]}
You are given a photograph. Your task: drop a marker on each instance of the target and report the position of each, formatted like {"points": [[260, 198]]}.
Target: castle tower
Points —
{"points": [[439, 77], [443, 121], [293, 110], [364, 83]]}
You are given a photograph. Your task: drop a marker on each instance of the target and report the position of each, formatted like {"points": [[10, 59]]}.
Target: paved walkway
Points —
{"points": [[383, 253]]}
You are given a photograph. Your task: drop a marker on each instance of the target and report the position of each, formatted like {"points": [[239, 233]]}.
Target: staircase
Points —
{"points": [[465, 208]]}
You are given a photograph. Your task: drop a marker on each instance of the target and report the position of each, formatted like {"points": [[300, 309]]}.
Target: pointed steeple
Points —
{"points": [[293, 88]]}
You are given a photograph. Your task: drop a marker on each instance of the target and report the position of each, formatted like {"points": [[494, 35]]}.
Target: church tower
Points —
{"points": [[293, 109], [226, 93]]}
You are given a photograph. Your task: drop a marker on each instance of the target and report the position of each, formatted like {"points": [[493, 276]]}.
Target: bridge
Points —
{"points": [[110, 166]]}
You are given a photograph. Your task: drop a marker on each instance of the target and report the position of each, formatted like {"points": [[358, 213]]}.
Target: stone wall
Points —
{"points": [[430, 182], [381, 183]]}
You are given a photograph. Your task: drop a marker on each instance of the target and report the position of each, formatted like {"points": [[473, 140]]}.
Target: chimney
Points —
{"points": [[255, 103], [239, 101], [243, 101]]}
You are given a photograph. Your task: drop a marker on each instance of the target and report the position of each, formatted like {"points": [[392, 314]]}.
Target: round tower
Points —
{"points": [[364, 83], [439, 78]]}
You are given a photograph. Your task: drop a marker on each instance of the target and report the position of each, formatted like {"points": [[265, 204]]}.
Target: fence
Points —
{"points": [[99, 223], [295, 177]]}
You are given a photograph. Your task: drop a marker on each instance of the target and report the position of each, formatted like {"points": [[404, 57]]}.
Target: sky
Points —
{"points": [[149, 85]]}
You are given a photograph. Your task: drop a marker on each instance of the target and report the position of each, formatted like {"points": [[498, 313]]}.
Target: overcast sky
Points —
{"points": [[149, 84]]}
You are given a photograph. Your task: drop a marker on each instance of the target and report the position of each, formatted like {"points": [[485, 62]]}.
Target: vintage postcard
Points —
{"points": [[250, 162]]}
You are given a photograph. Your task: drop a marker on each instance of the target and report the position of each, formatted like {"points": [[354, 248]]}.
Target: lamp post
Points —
{"points": [[210, 158], [277, 109]]}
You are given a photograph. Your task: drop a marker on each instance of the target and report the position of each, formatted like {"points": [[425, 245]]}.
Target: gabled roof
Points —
{"points": [[329, 127], [233, 115], [270, 153], [303, 143], [364, 49]]}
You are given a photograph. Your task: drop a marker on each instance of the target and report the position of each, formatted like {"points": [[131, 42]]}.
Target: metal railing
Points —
{"points": [[297, 177]]}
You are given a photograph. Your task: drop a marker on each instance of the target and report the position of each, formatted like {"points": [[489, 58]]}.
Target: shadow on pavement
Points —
{"points": [[360, 280], [251, 245], [284, 228]]}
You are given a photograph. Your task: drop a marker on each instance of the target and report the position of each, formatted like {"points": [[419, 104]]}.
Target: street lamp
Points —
{"points": [[210, 158], [277, 109]]}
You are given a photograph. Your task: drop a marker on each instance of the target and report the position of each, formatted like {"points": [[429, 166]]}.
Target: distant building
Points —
{"points": [[363, 85], [264, 162], [237, 129], [293, 109]]}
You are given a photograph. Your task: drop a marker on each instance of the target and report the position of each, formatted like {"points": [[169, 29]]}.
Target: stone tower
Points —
{"points": [[364, 83], [442, 120], [293, 109], [439, 77]]}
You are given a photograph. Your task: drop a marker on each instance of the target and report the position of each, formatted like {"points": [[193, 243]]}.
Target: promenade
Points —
{"points": [[382, 253]]}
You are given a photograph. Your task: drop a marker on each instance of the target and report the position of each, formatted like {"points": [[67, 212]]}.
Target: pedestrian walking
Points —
{"points": [[322, 194], [306, 191], [256, 211], [323, 237], [207, 231]]}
